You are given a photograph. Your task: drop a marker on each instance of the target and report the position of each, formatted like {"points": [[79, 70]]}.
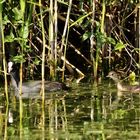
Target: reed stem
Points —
{"points": [[65, 37], [3, 53], [92, 35], [55, 38], [51, 40], [6, 123], [43, 53]]}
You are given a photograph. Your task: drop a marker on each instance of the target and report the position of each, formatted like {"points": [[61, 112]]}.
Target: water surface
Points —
{"points": [[85, 112]]}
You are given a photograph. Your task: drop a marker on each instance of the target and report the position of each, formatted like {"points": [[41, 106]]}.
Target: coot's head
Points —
{"points": [[10, 66], [13, 67], [13, 70]]}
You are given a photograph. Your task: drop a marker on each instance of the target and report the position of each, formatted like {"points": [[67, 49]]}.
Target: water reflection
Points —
{"points": [[86, 112]]}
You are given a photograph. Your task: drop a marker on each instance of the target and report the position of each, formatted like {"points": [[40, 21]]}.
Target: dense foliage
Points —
{"points": [[81, 37]]}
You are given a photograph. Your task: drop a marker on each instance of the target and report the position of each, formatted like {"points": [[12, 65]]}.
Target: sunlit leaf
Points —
{"points": [[132, 76], [22, 6], [119, 46], [6, 20], [19, 58], [17, 14], [86, 35], [132, 79]]}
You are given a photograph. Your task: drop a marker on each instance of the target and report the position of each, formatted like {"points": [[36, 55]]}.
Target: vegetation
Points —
{"points": [[55, 38]]}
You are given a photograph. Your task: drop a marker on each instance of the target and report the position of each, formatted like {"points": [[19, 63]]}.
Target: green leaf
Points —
{"points": [[26, 48], [22, 6], [36, 61], [101, 39], [132, 76], [17, 14], [111, 40], [9, 38], [80, 19], [6, 20], [119, 46], [86, 35], [24, 31], [19, 58]]}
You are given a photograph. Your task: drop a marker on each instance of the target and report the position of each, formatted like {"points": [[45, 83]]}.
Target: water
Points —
{"points": [[85, 112]]}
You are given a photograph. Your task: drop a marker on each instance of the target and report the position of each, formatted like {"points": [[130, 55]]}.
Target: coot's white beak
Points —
{"points": [[10, 65]]}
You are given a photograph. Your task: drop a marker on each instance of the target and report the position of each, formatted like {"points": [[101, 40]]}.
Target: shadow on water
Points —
{"points": [[85, 112]]}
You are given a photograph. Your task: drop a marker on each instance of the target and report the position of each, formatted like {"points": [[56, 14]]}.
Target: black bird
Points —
{"points": [[32, 87]]}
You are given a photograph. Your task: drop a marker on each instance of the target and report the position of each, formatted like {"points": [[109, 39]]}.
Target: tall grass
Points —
{"points": [[43, 52], [51, 24], [92, 37], [3, 51], [55, 37], [22, 45], [51, 38], [6, 122], [65, 38]]}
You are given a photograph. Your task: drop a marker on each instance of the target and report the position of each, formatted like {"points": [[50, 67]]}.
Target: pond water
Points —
{"points": [[86, 112]]}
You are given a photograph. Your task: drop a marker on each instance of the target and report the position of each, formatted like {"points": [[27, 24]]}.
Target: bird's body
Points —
{"points": [[121, 87], [32, 87]]}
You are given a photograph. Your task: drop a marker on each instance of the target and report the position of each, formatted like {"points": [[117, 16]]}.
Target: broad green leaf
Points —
{"points": [[17, 14], [119, 46], [19, 58]]}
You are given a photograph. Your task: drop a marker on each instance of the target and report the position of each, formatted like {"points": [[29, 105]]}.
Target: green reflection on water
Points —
{"points": [[85, 112]]}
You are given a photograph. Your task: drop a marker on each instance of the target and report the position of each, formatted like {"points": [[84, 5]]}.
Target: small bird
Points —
{"points": [[31, 88], [121, 87]]}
